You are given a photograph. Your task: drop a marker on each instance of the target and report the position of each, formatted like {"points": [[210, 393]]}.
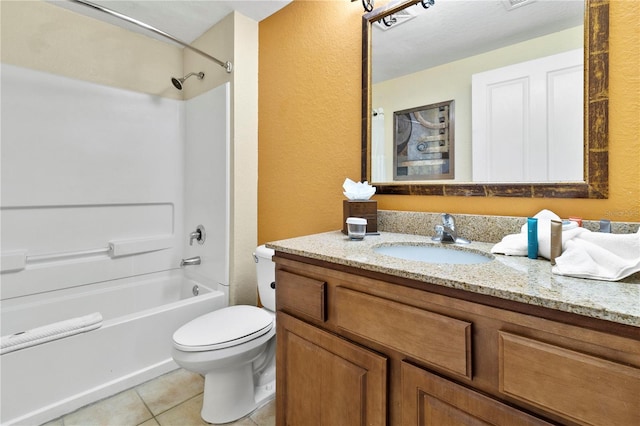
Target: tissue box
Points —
{"points": [[366, 209]]}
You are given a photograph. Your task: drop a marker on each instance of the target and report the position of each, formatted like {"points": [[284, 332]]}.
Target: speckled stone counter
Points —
{"points": [[513, 278], [490, 229]]}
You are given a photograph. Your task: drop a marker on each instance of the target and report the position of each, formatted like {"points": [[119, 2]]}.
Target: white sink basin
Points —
{"points": [[433, 254]]}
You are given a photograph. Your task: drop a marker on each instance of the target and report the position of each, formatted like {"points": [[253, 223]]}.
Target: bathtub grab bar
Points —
{"points": [[14, 260], [17, 260], [62, 255], [140, 245]]}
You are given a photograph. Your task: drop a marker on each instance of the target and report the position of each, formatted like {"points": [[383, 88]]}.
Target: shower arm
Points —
{"points": [[226, 65]]}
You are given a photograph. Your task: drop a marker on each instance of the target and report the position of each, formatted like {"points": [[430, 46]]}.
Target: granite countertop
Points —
{"points": [[513, 278]]}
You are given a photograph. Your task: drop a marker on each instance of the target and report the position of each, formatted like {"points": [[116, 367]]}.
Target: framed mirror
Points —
{"points": [[594, 123]]}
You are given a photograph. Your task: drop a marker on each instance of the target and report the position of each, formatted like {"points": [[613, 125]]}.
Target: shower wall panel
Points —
{"points": [[207, 180], [83, 166]]}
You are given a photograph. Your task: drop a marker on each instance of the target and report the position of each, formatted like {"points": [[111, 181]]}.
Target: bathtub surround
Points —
{"points": [[39, 35], [99, 186], [84, 165]]}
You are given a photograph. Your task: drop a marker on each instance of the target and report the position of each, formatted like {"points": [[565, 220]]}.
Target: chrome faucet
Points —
{"points": [[446, 233], [190, 261]]}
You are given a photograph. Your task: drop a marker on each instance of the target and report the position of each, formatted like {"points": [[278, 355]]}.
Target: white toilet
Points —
{"points": [[234, 348]]}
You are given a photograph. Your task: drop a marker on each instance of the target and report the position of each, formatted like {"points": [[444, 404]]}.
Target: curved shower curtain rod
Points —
{"points": [[226, 65]]}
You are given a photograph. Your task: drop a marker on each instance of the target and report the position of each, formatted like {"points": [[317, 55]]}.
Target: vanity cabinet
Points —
{"points": [[365, 348], [323, 379]]}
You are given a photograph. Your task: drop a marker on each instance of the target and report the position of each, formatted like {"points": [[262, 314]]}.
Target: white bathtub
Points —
{"points": [[133, 344]]}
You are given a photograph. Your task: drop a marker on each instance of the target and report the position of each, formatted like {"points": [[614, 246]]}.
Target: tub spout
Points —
{"points": [[190, 261]]}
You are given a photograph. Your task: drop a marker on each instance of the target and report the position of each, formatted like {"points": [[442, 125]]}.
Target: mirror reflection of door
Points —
{"points": [[527, 121]]}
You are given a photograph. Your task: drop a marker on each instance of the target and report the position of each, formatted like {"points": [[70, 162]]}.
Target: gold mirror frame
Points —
{"points": [[596, 112]]}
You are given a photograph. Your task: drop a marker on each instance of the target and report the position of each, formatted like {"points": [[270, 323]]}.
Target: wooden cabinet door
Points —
{"points": [[325, 380], [430, 400]]}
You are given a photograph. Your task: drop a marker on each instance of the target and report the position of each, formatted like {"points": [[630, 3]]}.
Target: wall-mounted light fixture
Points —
{"points": [[427, 3], [403, 15], [367, 5]]}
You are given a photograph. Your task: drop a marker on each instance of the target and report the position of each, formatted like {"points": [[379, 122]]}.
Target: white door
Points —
{"points": [[527, 121]]}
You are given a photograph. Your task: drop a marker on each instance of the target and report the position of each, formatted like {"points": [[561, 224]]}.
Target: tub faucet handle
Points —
{"points": [[199, 235]]}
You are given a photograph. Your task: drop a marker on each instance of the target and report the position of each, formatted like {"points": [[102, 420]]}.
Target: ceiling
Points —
{"points": [[455, 29], [186, 20], [449, 30]]}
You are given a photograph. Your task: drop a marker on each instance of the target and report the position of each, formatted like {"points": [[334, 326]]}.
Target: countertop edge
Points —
{"points": [[332, 246]]}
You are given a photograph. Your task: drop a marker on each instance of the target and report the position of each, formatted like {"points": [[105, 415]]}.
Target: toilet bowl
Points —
{"points": [[234, 349]]}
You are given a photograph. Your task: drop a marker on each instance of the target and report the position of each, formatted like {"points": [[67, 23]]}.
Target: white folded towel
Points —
{"points": [[599, 256], [50, 332], [516, 244], [585, 254]]}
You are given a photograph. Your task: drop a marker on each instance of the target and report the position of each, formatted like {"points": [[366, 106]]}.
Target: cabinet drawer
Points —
{"points": [[301, 295], [432, 338], [586, 389]]}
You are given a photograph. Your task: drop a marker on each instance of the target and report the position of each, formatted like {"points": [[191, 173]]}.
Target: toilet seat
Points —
{"points": [[223, 328]]}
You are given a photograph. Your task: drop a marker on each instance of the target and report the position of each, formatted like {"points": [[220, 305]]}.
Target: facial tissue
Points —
{"points": [[358, 190]]}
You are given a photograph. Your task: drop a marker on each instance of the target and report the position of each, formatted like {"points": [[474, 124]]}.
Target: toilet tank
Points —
{"points": [[266, 275]]}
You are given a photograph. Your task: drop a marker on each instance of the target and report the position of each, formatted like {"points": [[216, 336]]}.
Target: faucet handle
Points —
{"points": [[439, 232], [448, 221], [199, 235]]}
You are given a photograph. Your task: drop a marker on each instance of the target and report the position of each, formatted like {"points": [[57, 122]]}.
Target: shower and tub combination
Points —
{"points": [[102, 190]]}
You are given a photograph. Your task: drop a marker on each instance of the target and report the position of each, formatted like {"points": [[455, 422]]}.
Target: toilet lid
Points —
{"points": [[223, 328]]}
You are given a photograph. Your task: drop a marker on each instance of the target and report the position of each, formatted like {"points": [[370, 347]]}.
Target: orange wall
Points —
{"points": [[309, 125]]}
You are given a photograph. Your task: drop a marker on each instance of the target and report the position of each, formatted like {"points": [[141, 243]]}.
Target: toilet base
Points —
{"points": [[231, 394]]}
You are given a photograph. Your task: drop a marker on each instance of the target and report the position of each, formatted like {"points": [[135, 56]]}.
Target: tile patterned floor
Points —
{"points": [[174, 399]]}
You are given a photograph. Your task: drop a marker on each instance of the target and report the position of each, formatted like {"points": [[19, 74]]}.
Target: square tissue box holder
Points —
{"points": [[366, 209]]}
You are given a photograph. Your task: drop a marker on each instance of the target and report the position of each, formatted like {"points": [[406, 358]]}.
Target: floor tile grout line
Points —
{"points": [[153, 416], [176, 404]]}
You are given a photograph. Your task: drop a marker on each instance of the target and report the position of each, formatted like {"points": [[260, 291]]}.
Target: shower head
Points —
{"points": [[177, 82]]}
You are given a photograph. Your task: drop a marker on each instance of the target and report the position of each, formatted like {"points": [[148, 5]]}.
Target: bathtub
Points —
{"points": [[133, 345]]}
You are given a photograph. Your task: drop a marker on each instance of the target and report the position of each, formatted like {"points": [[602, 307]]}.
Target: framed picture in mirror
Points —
{"points": [[424, 142]]}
